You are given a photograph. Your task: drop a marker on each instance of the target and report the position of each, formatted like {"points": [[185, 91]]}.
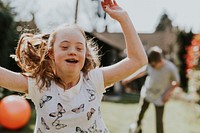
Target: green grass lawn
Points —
{"points": [[179, 117]]}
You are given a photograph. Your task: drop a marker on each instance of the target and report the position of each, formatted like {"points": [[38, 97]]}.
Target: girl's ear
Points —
{"points": [[50, 54]]}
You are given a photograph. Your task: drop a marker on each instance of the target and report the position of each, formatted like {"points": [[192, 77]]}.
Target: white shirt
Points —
{"points": [[76, 110]]}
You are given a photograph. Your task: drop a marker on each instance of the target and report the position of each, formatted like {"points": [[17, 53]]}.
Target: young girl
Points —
{"points": [[62, 78]]}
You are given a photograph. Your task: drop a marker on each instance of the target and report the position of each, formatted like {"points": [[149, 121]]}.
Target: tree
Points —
{"points": [[184, 40], [8, 41], [8, 37], [193, 65], [165, 22]]}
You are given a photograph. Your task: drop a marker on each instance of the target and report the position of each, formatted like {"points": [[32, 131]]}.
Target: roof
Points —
{"points": [[161, 39], [114, 39]]}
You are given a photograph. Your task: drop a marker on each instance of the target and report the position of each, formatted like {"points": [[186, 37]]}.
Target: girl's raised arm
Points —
{"points": [[13, 81], [136, 56]]}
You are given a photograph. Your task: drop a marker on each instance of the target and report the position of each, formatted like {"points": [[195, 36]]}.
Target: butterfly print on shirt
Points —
{"points": [[44, 99], [79, 130], [44, 124], [79, 109], [93, 128], [57, 124], [39, 130], [59, 112], [91, 95], [99, 111], [106, 131], [90, 113]]}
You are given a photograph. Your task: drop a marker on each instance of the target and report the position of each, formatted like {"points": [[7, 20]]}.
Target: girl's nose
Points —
{"points": [[72, 51]]}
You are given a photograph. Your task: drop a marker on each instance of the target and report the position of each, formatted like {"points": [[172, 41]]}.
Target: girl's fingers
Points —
{"points": [[107, 9], [105, 2], [110, 3], [103, 5], [115, 3]]}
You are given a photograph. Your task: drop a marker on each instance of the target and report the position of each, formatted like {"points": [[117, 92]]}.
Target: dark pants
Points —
{"points": [[159, 115]]}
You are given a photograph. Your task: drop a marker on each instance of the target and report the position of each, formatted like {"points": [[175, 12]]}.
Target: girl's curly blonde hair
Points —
{"points": [[33, 58]]}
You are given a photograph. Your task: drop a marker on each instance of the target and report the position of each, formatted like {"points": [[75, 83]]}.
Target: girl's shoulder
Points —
{"points": [[94, 75], [95, 78], [34, 88]]}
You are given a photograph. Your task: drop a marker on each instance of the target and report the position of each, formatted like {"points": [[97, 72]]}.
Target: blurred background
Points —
{"points": [[173, 25]]}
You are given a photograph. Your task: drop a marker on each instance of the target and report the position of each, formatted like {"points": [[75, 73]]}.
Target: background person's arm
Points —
{"points": [[175, 78], [169, 91]]}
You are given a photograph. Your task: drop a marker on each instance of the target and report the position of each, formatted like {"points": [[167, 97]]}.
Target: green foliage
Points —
{"points": [[8, 41], [8, 37], [184, 40], [193, 65], [193, 83]]}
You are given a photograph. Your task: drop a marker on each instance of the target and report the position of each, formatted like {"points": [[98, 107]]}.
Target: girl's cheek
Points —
{"points": [[81, 57]]}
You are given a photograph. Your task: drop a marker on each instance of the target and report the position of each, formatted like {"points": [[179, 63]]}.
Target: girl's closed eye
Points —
{"points": [[79, 49], [64, 47]]}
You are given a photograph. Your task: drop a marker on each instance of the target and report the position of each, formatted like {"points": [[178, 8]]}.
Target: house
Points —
{"points": [[112, 45]]}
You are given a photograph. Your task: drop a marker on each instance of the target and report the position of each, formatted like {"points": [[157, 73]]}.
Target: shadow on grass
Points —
{"points": [[125, 98]]}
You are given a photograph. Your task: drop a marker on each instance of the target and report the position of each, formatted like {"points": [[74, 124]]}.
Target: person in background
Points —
{"points": [[162, 79]]}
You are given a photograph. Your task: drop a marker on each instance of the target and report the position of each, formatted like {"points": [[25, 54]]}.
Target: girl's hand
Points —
{"points": [[112, 8]]}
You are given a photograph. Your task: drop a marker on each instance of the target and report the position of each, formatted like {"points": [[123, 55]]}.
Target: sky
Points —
{"points": [[145, 14]]}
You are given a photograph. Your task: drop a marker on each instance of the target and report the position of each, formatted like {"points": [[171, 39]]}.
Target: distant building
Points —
{"points": [[165, 36]]}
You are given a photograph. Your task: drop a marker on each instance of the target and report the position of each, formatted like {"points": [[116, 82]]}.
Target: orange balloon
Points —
{"points": [[15, 112]]}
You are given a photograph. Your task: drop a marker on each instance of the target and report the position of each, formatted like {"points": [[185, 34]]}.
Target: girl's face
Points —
{"points": [[69, 50]]}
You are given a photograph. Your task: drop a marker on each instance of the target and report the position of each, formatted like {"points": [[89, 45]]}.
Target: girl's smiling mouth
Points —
{"points": [[74, 61]]}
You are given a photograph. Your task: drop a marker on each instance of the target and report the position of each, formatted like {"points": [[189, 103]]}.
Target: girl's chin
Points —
{"points": [[72, 70], [72, 64]]}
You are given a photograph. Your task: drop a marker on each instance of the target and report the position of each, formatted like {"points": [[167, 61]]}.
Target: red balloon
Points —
{"points": [[15, 112]]}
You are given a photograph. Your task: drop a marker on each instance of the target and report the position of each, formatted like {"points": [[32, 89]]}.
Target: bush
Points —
{"points": [[184, 40], [194, 84], [8, 39], [193, 65]]}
